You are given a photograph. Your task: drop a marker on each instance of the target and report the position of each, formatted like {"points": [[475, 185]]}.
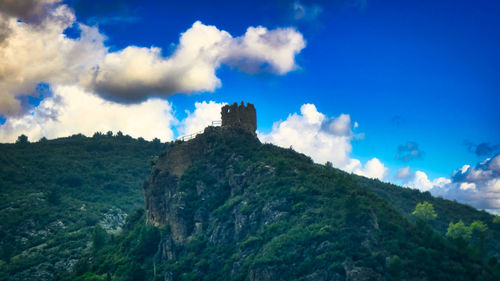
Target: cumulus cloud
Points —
{"points": [[134, 74], [323, 139], [421, 181], [40, 52], [71, 110], [478, 185], [409, 151], [261, 49], [314, 134], [31, 54], [372, 169], [201, 117]]}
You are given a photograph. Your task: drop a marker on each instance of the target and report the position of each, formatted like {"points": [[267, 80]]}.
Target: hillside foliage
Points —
{"points": [[54, 192], [302, 221]]}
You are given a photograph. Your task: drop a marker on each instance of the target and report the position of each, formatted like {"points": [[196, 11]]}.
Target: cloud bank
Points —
{"points": [[38, 51], [479, 185], [71, 110]]}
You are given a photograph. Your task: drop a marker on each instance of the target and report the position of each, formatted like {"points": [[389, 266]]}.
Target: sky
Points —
{"points": [[407, 92]]}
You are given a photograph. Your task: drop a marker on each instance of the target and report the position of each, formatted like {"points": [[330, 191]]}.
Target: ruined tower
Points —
{"points": [[242, 116]]}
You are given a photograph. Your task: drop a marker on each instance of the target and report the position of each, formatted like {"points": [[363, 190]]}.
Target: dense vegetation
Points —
{"points": [[300, 221], [54, 192], [405, 200]]}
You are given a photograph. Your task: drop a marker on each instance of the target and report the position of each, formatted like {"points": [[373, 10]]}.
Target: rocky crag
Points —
{"points": [[232, 208]]}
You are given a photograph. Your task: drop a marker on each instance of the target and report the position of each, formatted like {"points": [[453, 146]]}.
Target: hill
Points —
{"points": [[54, 192], [223, 206]]}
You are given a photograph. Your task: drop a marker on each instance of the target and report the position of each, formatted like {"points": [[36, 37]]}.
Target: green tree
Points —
{"points": [[6, 252], [459, 230], [478, 227], [54, 196], [395, 266], [22, 139], [478, 230], [496, 219], [425, 211], [99, 237]]}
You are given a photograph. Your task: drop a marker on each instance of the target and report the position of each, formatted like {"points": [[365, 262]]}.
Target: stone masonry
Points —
{"points": [[242, 116]]}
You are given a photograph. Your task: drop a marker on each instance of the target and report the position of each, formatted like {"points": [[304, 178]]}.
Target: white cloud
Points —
{"points": [[308, 133], [323, 139], [421, 181], [134, 74], [373, 169], [35, 52], [261, 49], [494, 164], [31, 54], [72, 110], [201, 117], [478, 186], [467, 186]]}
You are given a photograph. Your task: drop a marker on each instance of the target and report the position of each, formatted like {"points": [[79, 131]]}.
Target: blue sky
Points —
{"points": [[423, 71], [418, 73]]}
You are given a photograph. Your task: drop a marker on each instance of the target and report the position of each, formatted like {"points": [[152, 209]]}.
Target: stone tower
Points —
{"points": [[242, 116]]}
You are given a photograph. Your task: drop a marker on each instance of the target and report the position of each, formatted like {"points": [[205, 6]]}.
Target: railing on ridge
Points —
{"points": [[193, 135]]}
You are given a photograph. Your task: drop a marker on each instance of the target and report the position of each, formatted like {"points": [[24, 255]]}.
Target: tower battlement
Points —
{"points": [[242, 116]]}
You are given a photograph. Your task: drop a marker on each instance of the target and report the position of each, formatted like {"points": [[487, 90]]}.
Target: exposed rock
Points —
{"points": [[113, 220], [357, 273], [265, 274]]}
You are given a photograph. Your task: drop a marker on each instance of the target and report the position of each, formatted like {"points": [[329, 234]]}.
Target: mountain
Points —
{"points": [[224, 206], [54, 192]]}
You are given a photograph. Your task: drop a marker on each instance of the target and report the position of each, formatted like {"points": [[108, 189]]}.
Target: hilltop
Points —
{"points": [[223, 206]]}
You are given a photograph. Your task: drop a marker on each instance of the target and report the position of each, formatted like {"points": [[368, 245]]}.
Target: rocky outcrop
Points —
{"points": [[165, 199], [357, 273]]}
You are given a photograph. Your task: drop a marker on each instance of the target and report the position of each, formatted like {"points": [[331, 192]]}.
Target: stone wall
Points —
{"points": [[235, 115]]}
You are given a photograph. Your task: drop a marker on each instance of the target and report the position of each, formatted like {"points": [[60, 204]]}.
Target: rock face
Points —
{"points": [[240, 116]]}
